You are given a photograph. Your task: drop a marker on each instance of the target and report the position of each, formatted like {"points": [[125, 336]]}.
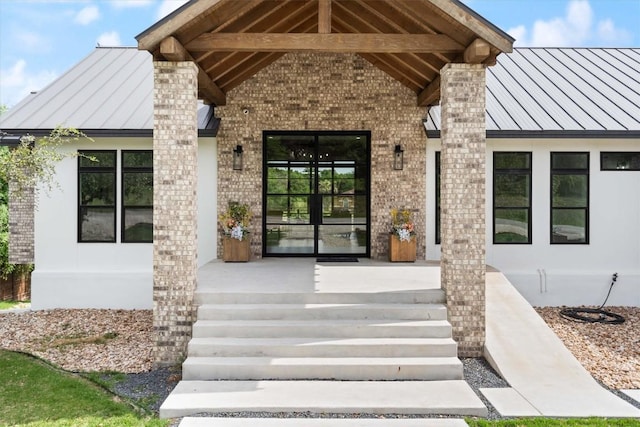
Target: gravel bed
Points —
{"points": [[121, 341]]}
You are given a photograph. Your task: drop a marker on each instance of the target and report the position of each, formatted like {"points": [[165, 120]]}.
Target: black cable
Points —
{"points": [[594, 315]]}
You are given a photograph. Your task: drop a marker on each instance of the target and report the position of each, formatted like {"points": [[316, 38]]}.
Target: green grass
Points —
{"points": [[36, 394], [4, 305], [552, 422]]}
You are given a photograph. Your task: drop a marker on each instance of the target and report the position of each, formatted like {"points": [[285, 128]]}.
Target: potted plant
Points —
{"points": [[235, 225], [402, 239]]}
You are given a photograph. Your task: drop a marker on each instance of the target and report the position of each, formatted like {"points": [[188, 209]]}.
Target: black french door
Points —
{"points": [[316, 193]]}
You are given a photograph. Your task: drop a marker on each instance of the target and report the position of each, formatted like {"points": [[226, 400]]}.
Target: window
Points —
{"points": [[620, 161], [437, 197], [137, 196], [569, 198], [511, 197], [97, 196]]}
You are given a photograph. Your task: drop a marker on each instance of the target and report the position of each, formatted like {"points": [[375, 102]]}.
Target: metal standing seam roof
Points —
{"points": [[561, 91], [530, 92], [109, 90]]}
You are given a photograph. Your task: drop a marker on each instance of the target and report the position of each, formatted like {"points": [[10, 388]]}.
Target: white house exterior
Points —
{"points": [[119, 275]]}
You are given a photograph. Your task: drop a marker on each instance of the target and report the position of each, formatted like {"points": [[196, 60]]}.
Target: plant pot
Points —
{"points": [[234, 250], [402, 251]]}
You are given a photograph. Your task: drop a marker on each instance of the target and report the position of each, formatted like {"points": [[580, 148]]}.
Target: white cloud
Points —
{"points": [[17, 82], [123, 4], [576, 28], [30, 40], [609, 34], [168, 6], [519, 33], [87, 15], [111, 39]]}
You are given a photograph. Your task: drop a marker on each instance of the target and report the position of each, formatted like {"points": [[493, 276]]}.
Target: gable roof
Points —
{"points": [[531, 92], [108, 92], [561, 92], [411, 40]]}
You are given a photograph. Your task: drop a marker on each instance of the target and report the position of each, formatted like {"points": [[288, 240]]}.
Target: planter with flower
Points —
{"points": [[402, 239], [235, 225]]}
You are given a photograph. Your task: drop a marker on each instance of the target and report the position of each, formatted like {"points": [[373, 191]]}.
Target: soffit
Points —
{"points": [[411, 40]]}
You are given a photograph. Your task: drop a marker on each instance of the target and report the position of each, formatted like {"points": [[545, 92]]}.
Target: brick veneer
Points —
{"points": [[175, 162], [318, 91], [463, 203], [21, 224]]}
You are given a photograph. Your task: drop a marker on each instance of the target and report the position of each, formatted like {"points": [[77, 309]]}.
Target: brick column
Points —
{"points": [[21, 224], [175, 148], [463, 154]]}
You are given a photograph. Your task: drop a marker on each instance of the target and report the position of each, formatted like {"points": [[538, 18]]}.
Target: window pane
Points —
{"points": [[97, 224], [512, 190], [101, 159], [512, 160], [97, 189], [620, 161], [511, 226], [290, 147], [137, 159], [342, 239], [337, 209], [277, 181], [138, 189], [568, 225], [290, 239], [138, 225], [569, 160], [569, 191], [336, 148], [300, 181]]}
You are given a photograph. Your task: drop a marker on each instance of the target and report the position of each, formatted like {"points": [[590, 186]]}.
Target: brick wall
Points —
{"points": [[175, 163], [21, 225], [316, 91], [463, 203]]}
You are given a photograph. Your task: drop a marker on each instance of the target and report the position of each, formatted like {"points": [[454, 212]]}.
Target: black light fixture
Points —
{"points": [[237, 158], [398, 158]]}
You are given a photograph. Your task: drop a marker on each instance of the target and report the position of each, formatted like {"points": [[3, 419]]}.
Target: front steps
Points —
{"points": [[375, 353]]}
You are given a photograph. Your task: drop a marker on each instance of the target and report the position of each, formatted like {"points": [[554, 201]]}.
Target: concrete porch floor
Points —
{"points": [[545, 378]]}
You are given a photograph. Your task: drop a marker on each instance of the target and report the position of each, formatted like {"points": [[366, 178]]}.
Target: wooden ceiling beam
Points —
{"points": [[172, 50], [477, 52], [342, 43], [324, 16], [431, 94]]}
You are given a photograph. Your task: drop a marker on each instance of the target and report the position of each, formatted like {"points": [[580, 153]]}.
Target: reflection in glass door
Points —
{"points": [[316, 193]]}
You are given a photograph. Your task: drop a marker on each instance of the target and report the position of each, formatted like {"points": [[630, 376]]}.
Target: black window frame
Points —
{"points": [[631, 153], [83, 155], [437, 203], [514, 172], [123, 207], [569, 171]]}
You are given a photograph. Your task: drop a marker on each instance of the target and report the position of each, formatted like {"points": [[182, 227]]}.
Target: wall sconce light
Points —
{"points": [[237, 158], [398, 158]]}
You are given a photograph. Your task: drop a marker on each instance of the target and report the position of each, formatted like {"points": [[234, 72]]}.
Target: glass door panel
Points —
{"points": [[316, 193]]}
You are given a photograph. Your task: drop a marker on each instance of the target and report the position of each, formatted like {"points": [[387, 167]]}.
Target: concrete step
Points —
{"points": [[327, 328], [322, 311], [326, 397], [321, 422], [323, 347], [322, 368], [426, 296]]}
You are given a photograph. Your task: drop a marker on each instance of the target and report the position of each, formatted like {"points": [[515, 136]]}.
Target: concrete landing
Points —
{"points": [[339, 397], [321, 422], [534, 361]]}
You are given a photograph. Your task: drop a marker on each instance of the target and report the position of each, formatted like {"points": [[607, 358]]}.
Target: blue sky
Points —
{"points": [[41, 39]]}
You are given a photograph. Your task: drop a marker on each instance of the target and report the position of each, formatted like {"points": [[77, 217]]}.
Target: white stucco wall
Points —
{"points": [[552, 275], [69, 274]]}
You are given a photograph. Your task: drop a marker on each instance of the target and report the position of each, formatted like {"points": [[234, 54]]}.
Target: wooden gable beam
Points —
{"points": [[477, 52], [341, 43], [431, 94], [324, 16], [172, 50]]}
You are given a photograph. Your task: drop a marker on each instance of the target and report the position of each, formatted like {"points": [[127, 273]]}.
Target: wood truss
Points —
{"points": [[411, 40]]}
